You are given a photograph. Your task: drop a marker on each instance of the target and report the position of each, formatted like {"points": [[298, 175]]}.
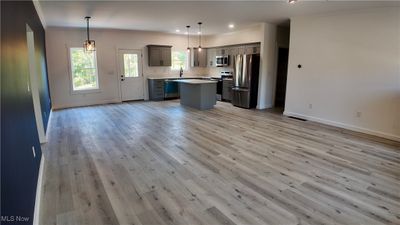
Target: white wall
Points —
{"points": [[350, 63], [58, 40], [249, 35], [267, 79]]}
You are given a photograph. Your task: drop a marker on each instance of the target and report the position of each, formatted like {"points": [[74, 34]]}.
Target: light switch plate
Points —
{"points": [[33, 151]]}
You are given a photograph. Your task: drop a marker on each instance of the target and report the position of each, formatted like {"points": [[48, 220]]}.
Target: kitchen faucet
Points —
{"points": [[181, 72]]}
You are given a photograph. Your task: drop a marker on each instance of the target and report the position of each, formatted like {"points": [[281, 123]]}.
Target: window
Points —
{"points": [[180, 59], [131, 67], [83, 70]]}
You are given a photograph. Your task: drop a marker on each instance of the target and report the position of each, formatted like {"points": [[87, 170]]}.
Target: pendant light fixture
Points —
{"points": [[199, 35], [187, 28], [89, 45]]}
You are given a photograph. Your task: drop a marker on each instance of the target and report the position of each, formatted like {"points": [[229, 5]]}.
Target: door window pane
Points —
{"points": [[131, 68], [83, 69]]}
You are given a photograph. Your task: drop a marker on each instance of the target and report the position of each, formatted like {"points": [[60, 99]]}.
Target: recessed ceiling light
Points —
{"points": [[198, 32], [177, 31], [231, 25], [292, 1]]}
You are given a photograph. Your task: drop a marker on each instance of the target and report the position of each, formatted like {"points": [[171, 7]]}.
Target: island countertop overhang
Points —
{"points": [[196, 81]]}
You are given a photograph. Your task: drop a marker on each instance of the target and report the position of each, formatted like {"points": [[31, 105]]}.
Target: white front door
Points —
{"points": [[131, 75]]}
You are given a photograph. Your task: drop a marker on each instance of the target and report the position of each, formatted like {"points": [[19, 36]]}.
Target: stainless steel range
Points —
{"points": [[223, 87]]}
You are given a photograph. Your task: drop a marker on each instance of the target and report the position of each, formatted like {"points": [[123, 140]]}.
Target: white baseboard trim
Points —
{"points": [[345, 126], [38, 199], [48, 125], [65, 106]]}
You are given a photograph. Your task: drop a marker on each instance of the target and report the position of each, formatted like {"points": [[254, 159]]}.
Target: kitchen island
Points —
{"points": [[199, 94]]}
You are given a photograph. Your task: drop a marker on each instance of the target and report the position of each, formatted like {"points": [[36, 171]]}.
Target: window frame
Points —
{"points": [[84, 91], [187, 60]]}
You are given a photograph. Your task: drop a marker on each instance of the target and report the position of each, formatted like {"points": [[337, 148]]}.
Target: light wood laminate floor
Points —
{"points": [[160, 163]]}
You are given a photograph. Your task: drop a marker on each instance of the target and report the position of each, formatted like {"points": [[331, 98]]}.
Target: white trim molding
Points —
{"points": [[83, 104], [36, 215], [345, 126], [39, 11]]}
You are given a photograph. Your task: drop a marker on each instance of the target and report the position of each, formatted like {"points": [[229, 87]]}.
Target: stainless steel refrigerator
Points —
{"points": [[245, 80]]}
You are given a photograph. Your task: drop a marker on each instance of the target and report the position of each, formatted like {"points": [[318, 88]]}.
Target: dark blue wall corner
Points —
{"points": [[19, 168]]}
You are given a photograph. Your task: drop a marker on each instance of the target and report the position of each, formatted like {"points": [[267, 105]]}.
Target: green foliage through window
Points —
{"points": [[131, 65], [84, 69], [179, 59]]}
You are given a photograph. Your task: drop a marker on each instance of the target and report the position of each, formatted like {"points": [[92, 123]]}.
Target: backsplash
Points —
{"points": [[167, 72]]}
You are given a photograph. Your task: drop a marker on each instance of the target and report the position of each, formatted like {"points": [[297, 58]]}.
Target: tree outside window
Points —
{"points": [[83, 69], [180, 60]]}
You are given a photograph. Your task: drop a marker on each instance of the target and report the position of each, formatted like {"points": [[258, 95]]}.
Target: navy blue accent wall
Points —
{"points": [[19, 168]]}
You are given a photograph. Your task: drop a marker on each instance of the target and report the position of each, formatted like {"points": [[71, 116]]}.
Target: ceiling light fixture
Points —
{"points": [[292, 1], [187, 32], [177, 30], [200, 23], [231, 25], [88, 45]]}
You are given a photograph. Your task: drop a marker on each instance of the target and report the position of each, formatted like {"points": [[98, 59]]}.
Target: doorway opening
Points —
{"points": [[33, 85], [281, 77], [283, 33]]}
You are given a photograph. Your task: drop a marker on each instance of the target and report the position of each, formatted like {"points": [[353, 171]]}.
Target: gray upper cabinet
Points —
{"points": [[252, 49], [159, 55], [222, 51], [211, 53], [233, 51], [199, 58]]}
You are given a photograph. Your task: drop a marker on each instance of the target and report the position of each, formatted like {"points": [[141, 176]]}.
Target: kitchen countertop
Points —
{"points": [[196, 81], [176, 78]]}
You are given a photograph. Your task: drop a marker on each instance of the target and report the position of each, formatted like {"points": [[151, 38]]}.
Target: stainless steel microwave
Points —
{"points": [[222, 61]]}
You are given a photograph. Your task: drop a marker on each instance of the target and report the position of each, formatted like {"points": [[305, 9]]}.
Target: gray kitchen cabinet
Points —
{"points": [[211, 54], [233, 51], [242, 50], [156, 89], [221, 51], [199, 58], [159, 55], [253, 49]]}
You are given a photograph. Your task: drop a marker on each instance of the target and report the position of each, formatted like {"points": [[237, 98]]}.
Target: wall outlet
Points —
{"points": [[358, 114], [310, 106], [34, 151]]}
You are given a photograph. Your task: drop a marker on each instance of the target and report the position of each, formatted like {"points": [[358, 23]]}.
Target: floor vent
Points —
{"points": [[296, 118]]}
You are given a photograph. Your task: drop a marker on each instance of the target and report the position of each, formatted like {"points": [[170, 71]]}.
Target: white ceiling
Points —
{"points": [[167, 16]]}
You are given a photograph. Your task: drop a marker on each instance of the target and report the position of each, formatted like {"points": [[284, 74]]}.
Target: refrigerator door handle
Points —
{"points": [[239, 89]]}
